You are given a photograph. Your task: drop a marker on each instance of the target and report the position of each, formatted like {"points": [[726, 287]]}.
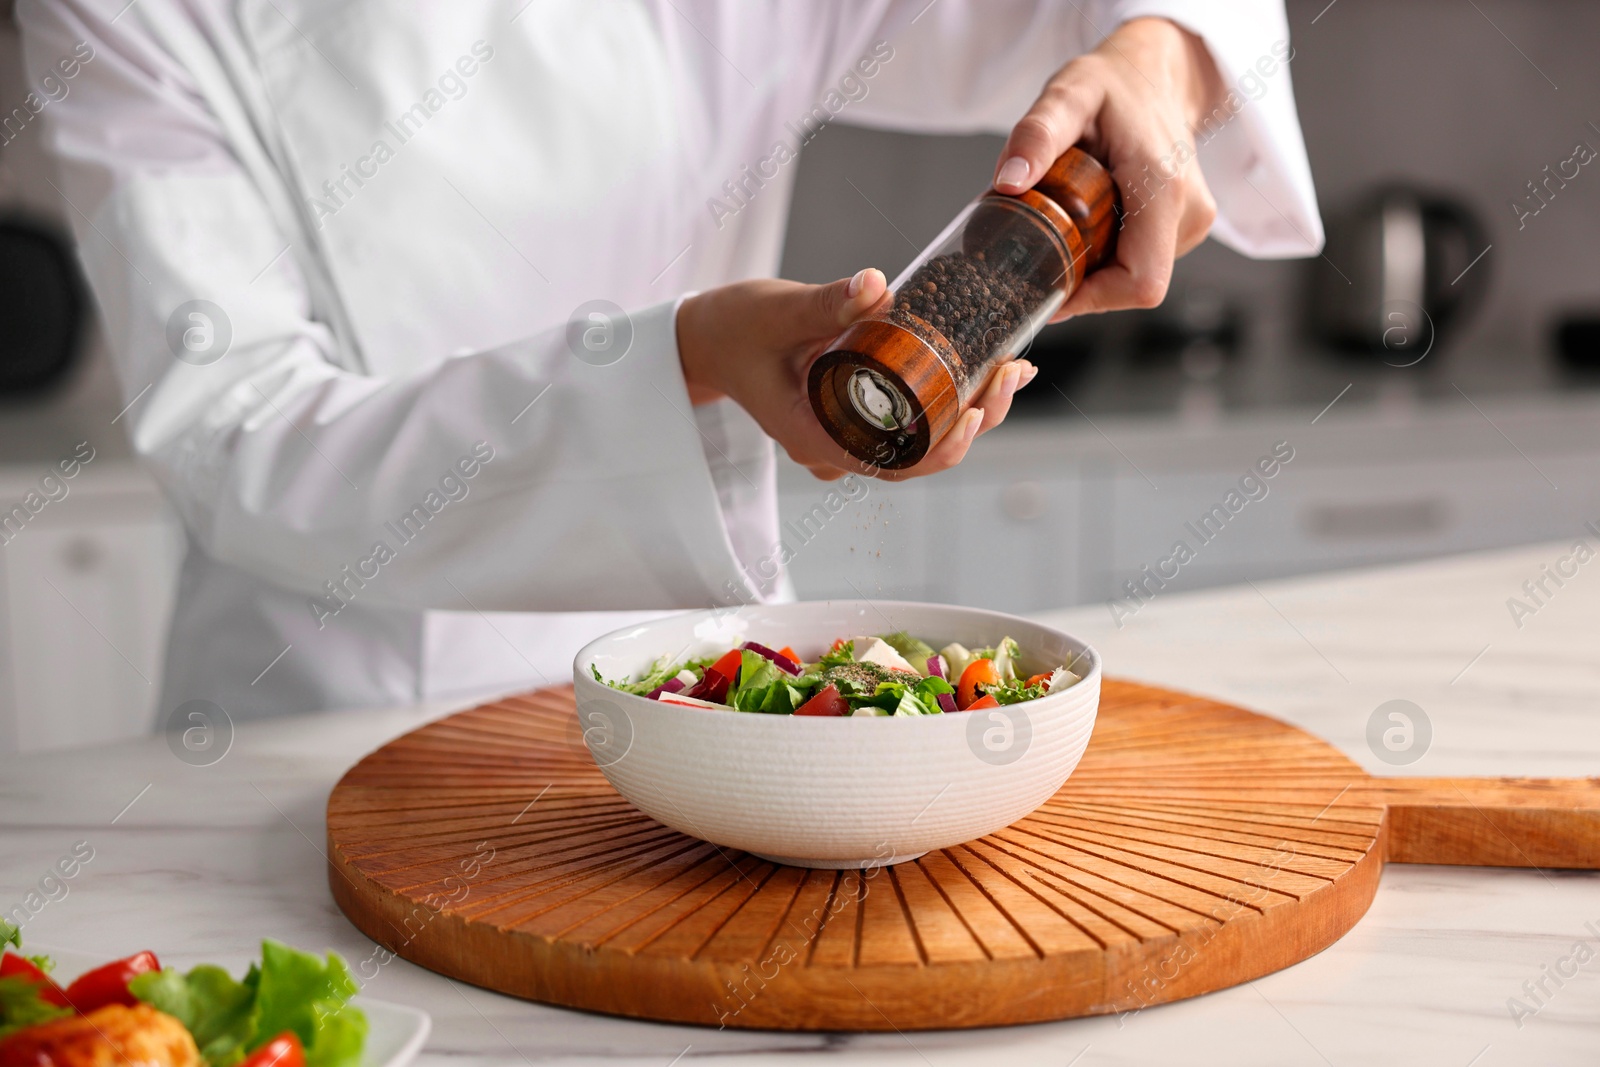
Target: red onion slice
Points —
{"points": [[671, 685], [947, 701], [783, 663], [712, 686]]}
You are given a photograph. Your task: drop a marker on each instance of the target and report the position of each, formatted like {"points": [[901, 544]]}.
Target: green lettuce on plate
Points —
{"points": [[22, 1002], [288, 990]]}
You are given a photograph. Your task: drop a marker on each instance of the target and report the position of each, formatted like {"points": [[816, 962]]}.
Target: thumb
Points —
{"points": [[830, 308]]}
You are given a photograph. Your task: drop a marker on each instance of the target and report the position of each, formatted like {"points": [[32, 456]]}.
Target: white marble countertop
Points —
{"points": [[200, 862]]}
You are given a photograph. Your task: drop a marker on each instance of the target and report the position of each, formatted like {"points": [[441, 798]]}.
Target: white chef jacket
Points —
{"points": [[398, 316]]}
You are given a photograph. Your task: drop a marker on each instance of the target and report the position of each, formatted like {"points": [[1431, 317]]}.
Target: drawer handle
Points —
{"points": [[1395, 518], [81, 555], [1023, 501]]}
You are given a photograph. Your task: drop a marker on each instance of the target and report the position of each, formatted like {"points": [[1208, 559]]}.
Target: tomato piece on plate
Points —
{"points": [[15, 966], [108, 983], [1040, 679], [982, 702], [978, 672], [284, 1050], [791, 653], [828, 701]]}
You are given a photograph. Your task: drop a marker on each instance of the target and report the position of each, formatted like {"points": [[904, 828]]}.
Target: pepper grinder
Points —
{"points": [[895, 382]]}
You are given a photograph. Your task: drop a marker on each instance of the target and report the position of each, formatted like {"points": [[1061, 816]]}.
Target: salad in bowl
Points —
{"points": [[822, 734], [887, 674]]}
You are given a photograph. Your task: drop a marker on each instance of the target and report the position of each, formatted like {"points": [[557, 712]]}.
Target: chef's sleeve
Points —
{"points": [[968, 66], [523, 478]]}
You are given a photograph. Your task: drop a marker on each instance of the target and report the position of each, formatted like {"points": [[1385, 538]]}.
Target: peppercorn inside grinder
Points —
{"points": [[894, 383]]}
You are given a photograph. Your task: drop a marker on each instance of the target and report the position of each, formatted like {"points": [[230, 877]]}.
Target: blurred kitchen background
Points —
{"points": [[1437, 373]]}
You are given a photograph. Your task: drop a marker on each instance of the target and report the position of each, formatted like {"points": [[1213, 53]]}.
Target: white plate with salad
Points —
{"points": [[63, 1008], [837, 733]]}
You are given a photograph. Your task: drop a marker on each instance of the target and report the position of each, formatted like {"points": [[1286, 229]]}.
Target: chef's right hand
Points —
{"points": [[754, 341]]}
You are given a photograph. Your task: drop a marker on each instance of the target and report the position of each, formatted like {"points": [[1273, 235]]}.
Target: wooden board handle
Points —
{"points": [[1494, 822]]}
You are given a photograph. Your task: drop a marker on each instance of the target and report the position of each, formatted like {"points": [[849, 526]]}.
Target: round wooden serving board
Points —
{"points": [[1198, 845]]}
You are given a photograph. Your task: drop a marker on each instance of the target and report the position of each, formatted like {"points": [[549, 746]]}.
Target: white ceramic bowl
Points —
{"points": [[833, 792]]}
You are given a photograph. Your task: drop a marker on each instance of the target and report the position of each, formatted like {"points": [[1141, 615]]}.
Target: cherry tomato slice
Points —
{"points": [[982, 702], [108, 983], [1040, 679], [791, 653], [828, 701], [15, 966], [284, 1050], [978, 672], [728, 665]]}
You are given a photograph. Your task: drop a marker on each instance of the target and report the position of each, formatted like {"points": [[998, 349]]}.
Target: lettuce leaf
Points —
{"points": [[956, 659], [21, 1006], [658, 673], [20, 1003], [1008, 654], [906, 698], [838, 657], [218, 1011], [289, 990], [757, 674], [765, 687], [785, 698], [308, 995], [1014, 692]]}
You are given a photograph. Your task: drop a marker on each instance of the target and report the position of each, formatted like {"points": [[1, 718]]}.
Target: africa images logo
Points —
{"points": [[199, 332]]}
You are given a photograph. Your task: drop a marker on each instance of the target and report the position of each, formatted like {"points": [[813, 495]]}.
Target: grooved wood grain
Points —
{"points": [[1198, 845]]}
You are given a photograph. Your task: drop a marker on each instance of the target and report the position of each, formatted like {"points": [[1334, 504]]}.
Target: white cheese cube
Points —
{"points": [[876, 650]]}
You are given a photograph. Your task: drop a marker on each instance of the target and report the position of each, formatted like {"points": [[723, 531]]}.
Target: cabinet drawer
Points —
{"points": [[1321, 518], [85, 617]]}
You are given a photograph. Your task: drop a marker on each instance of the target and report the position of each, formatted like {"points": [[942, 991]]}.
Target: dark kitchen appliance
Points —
{"points": [[1577, 342], [1399, 271], [41, 307]]}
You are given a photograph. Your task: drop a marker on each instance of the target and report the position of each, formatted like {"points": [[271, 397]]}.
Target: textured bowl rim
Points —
{"points": [[585, 658]]}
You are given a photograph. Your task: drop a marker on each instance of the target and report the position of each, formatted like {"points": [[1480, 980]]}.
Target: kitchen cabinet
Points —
{"points": [[1329, 516], [1061, 512], [86, 593]]}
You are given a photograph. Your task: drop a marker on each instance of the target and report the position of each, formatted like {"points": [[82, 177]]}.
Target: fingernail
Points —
{"points": [[1013, 172], [1029, 373], [974, 420], [856, 282]]}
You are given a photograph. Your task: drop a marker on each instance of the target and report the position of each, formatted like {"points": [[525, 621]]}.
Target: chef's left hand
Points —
{"points": [[1133, 103], [754, 341]]}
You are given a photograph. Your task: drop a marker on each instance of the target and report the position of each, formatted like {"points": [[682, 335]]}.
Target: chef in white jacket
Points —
{"points": [[397, 292]]}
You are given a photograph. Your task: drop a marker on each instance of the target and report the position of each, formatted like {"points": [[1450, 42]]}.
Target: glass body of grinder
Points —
{"points": [[893, 384]]}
